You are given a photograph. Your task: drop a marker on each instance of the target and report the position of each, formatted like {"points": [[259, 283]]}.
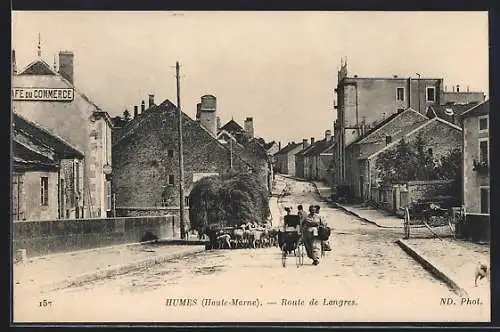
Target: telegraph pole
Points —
{"points": [[181, 157]]}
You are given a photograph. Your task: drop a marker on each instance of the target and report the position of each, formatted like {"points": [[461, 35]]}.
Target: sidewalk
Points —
{"points": [[379, 218], [457, 259], [57, 271]]}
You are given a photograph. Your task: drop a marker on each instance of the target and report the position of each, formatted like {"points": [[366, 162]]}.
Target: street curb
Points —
{"points": [[432, 267], [118, 269]]}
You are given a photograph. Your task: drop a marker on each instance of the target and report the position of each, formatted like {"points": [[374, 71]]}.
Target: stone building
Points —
{"points": [[440, 137], [476, 165], [318, 159], [46, 174], [374, 140], [47, 96], [146, 159], [285, 158]]}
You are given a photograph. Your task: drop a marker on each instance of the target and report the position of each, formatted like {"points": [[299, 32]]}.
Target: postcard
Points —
{"points": [[243, 167]]}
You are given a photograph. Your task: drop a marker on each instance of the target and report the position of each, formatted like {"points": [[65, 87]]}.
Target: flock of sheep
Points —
{"points": [[243, 236]]}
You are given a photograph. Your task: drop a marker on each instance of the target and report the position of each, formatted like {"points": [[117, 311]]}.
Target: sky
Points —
{"points": [[278, 67]]}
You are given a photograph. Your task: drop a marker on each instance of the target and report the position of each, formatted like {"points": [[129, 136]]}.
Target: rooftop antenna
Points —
{"points": [[39, 51]]}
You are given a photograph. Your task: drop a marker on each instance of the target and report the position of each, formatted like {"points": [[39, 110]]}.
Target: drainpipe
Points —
{"points": [[357, 115], [369, 180]]}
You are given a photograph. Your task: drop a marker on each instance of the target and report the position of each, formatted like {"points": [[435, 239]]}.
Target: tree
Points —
{"points": [[450, 167], [426, 169], [398, 164]]}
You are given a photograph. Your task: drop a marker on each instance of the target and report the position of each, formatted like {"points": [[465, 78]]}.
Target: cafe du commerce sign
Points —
{"points": [[43, 94]]}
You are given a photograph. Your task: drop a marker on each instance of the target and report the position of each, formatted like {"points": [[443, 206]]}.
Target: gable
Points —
{"points": [[424, 129], [38, 68], [231, 126], [397, 126]]}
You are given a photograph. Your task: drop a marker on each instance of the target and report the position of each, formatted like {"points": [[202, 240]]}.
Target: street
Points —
{"points": [[365, 278]]}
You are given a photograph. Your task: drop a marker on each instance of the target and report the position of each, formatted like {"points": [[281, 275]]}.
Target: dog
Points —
{"points": [[481, 272]]}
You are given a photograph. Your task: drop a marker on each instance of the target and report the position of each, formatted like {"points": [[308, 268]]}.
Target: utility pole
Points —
{"points": [[181, 157], [418, 89]]}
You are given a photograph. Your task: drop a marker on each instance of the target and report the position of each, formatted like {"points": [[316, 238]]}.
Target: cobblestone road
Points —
{"points": [[366, 278]]}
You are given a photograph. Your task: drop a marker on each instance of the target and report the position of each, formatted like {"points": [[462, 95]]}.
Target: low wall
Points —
{"points": [[429, 189], [476, 227], [63, 235]]}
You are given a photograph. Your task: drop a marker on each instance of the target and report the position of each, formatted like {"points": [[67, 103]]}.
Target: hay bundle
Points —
{"points": [[229, 201]]}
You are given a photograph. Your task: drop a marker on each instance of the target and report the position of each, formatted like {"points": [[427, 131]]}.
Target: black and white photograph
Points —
{"points": [[250, 166]]}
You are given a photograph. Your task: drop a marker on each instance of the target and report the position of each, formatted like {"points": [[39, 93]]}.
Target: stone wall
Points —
{"points": [[64, 235], [428, 189]]}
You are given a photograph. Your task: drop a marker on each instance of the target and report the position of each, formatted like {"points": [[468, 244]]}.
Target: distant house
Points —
{"points": [[46, 173], [440, 136], [147, 165], [476, 168], [374, 140], [300, 160], [285, 163], [318, 159]]}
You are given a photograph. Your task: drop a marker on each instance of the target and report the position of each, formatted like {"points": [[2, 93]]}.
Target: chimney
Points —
{"points": [[14, 65], [453, 88], [143, 106], [279, 146], [328, 134], [151, 101], [218, 123], [312, 140], [395, 76], [198, 107], [458, 88], [208, 111], [305, 143], [249, 127], [136, 111], [66, 65], [467, 88]]}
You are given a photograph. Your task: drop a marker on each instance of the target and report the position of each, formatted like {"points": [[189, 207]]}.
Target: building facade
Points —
{"points": [[476, 160], [440, 138], [46, 174], [285, 158], [48, 98], [146, 158], [363, 102]]}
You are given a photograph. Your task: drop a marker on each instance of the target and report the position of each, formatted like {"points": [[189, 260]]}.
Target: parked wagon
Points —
{"points": [[438, 212]]}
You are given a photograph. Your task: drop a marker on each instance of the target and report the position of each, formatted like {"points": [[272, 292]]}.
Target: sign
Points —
{"points": [[107, 169], [43, 94]]}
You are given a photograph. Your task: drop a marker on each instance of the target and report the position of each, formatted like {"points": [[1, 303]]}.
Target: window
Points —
{"points": [[44, 191], [430, 94], [483, 123], [483, 151], [170, 153], [485, 199], [400, 93], [17, 199], [171, 179], [186, 201], [429, 151], [388, 140]]}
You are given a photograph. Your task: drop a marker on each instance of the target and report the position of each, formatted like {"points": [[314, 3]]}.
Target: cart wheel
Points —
{"points": [[283, 256], [406, 224], [300, 257]]}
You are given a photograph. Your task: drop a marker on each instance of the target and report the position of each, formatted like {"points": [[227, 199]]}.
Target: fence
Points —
{"points": [[63, 235], [393, 197]]}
